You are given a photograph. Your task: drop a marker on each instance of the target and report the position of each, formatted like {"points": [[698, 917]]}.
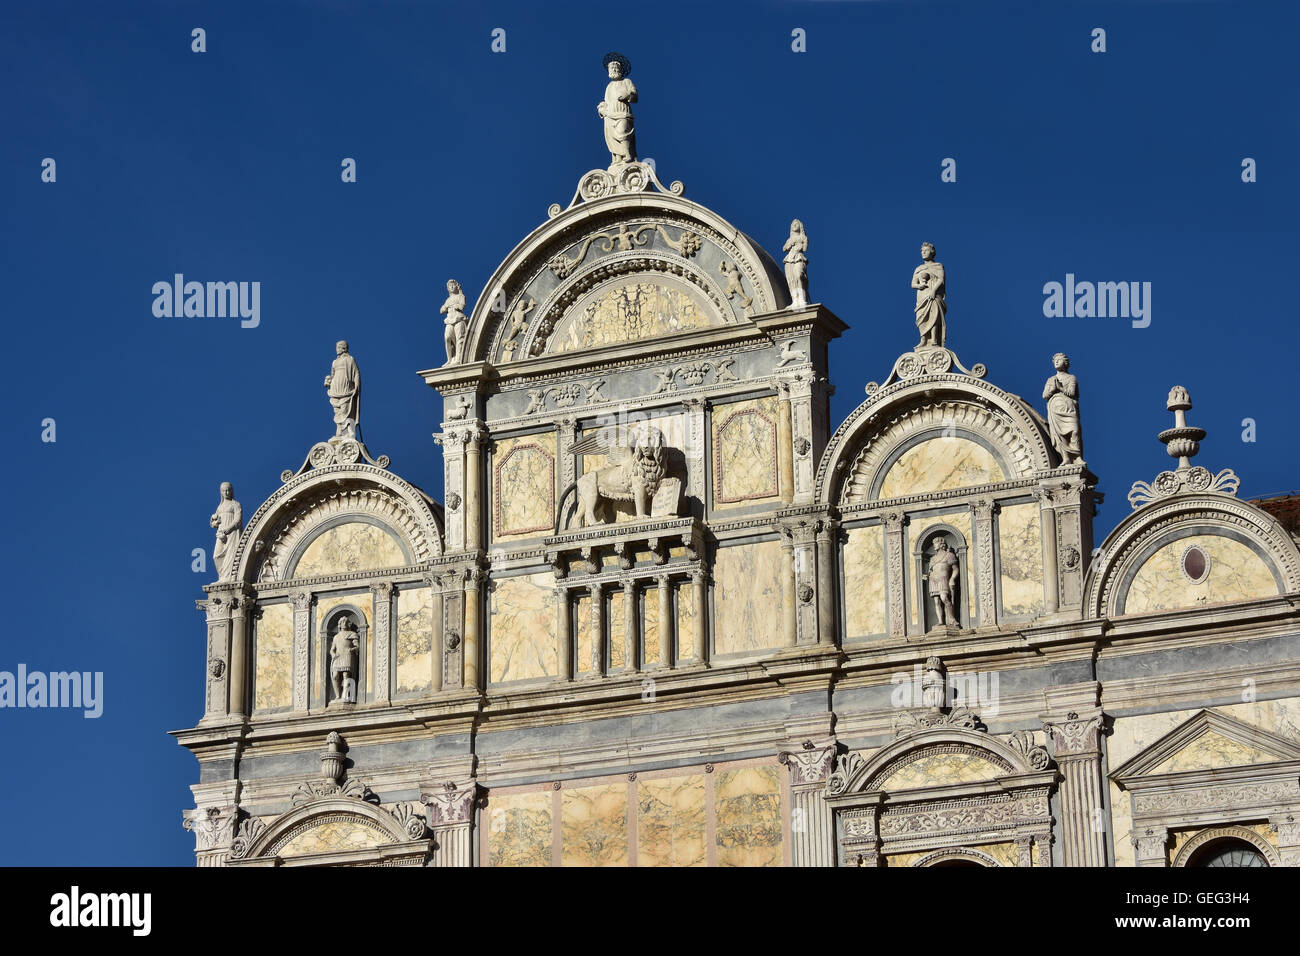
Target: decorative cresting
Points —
{"points": [[299, 508], [1146, 530], [926, 360], [1182, 441], [892, 804], [945, 405]]}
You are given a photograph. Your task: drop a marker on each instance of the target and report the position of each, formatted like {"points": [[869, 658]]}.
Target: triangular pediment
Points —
{"points": [[1208, 740]]}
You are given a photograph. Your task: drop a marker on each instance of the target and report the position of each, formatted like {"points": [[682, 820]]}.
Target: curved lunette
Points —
{"points": [[420, 522], [875, 413], [862, 779], [387, 829], [553, 236], [1126, 547]]}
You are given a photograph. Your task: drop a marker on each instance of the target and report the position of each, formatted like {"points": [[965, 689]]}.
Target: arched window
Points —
{"points": [[1228, 851]]}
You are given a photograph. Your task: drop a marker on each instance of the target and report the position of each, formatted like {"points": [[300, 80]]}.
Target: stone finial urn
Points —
{"points": [[331, 758]]}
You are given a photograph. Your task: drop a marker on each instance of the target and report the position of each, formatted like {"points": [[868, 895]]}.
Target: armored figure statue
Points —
{"points": [[344, 384], [1062, 394], [616, 110], [228, 522], [343, 661], [456, 322], [796, 265], [931, 298], [945, 569]]}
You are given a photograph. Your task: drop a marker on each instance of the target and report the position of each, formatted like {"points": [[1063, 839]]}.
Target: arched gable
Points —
{"points": [[931, 433], [1249, 554], [618, 269], [334, 829], [368, 514], [972, 756]]}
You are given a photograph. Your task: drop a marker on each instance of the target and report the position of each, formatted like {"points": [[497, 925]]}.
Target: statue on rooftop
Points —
{"points": [[616, 110]]}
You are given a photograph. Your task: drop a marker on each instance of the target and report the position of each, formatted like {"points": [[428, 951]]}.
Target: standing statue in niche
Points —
{"points": [[931, 298], [1062, 394], [228, 522], [616, 110], [796, 265], [945, 569], [344, 385], [456, 322], [344, 649]]}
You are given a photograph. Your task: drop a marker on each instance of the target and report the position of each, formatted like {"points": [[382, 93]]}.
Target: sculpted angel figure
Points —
{"points": [[518, 319], [796, 265], [456, 322], [931, 298], [228, 522], [344, 385], [634, 468], [616, 110], [1062, 394]]}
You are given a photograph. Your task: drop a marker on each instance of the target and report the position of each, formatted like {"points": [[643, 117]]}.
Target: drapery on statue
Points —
{"points": [[1062, 394], [634, 472], [343, 660], [456, 322], [228, 522], [796, 265], [931, 298], [616, 110], [945, 569], [344, 384]]}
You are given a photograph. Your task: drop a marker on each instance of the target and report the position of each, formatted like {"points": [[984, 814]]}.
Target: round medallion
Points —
{"points": [[1195, 563]]}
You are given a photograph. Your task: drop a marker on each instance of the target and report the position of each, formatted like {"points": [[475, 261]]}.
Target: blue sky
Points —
{"points": [[225, 166]]}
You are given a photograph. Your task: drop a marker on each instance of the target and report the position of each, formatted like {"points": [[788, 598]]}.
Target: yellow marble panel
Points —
{"points": [[593, 826], [333, 836], [523, 620], [938, 769], [670, 825], [414, 640], [940, 464], [523, 486], [617, 630], [273, 680], [1236, 574], [1021, 550], [1212, 751], [748, 597], [864, 582], [518, 830], [745, 453], [1007, 854], [363, 602], [346, 548], [650, 626], [1131, 735], [747, 806], [687, 615], [918, 526], [629, 312], [582, 618]]}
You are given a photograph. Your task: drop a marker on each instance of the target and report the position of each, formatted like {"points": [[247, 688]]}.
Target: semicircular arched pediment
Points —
{"points": [[1246, 554], [394, 521], [651, 239], [335, 829]]}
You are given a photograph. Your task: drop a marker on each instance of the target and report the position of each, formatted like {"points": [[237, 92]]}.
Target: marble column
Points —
{"points": [[630, 621], [1074, 741], [667, 620], [1051, 572], [789, 600], [472, 641], [982, 513], [597, 629], [896, 581], [812, 824], [217, 610], [827, 583], [383, 609], [473, 486], [700, 639], [241, 612], [301, 651], [785, 443], [451, 818], [436, 625], [564, 630]]}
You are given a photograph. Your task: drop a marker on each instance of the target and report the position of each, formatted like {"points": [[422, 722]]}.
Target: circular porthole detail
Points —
{"points": [[1195, 563]]}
